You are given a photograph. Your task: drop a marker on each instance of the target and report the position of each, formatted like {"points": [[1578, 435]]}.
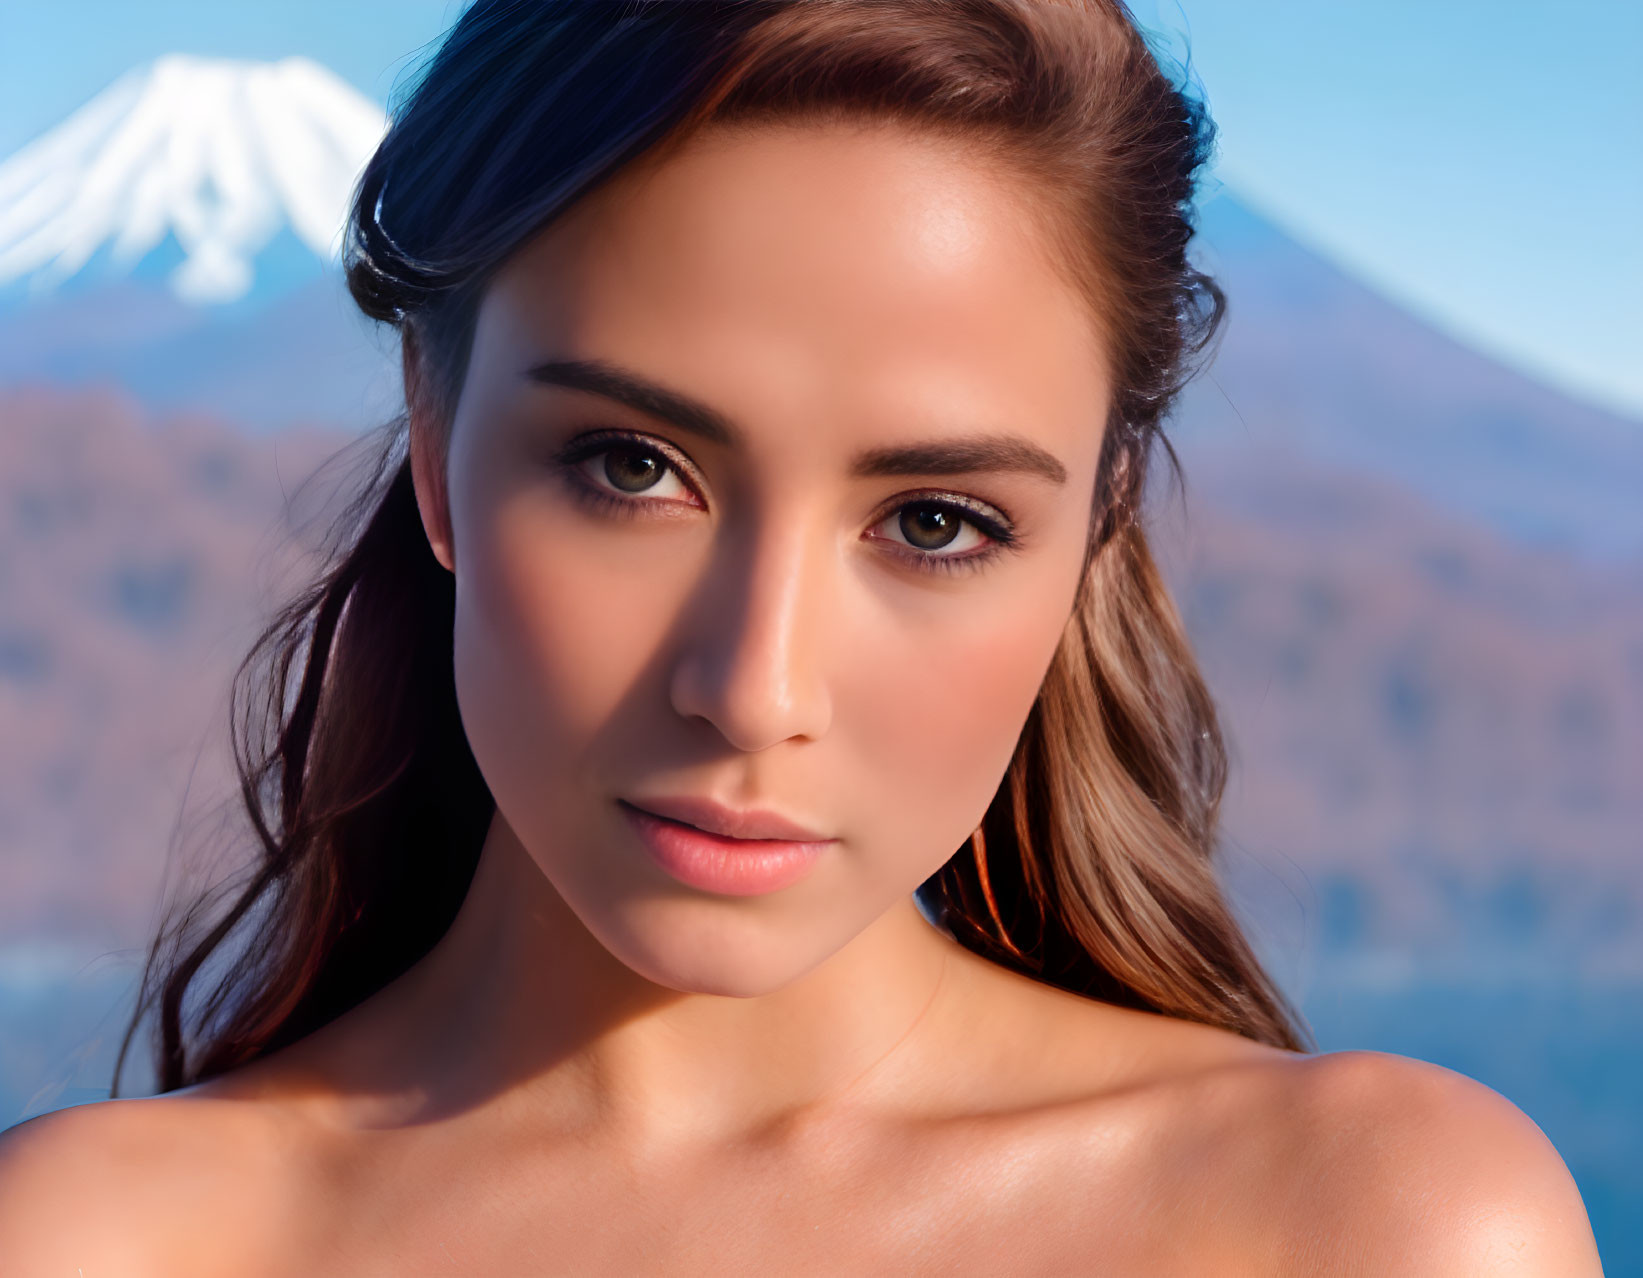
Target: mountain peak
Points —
{"points": [[220, 155]]}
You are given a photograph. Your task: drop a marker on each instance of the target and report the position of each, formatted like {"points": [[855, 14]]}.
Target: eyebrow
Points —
{"points": [[933, 457]]}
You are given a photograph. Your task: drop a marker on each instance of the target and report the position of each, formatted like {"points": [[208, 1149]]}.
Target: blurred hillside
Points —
{"points": [[136, 558], [1437, 734]]}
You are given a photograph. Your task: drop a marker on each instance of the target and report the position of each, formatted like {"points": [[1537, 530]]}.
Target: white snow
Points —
{"points": [[220, 153]]}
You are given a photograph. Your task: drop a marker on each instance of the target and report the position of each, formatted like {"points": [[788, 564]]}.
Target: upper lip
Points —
{"points": [[732, 823]]}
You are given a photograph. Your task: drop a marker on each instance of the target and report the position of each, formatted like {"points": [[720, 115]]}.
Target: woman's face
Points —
{"points": [[768, 485]]}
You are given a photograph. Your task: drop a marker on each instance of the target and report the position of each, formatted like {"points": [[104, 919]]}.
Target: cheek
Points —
{"points": [[550, 639], [938, 723]]}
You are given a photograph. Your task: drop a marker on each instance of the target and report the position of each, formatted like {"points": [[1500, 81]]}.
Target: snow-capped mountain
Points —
{"points": [[220, 157]]}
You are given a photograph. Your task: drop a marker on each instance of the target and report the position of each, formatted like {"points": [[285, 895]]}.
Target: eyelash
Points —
{"points": [[581, 449]]}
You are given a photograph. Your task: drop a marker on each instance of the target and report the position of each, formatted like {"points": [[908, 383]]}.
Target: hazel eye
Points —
{"points": [[631, 470], [935, 529]]}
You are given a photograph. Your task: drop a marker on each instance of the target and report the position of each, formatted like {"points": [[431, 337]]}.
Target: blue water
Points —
{"points": [[1569, 1056]]}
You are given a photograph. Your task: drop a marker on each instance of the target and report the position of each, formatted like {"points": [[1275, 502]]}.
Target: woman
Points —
{"points": [[781, 383]]}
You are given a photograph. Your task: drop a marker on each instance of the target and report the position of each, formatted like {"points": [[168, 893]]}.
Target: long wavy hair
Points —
{"points": [[1092, 869]]}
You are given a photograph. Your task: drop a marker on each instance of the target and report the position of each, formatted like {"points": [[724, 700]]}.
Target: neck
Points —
{"points": [[520, 1006]]}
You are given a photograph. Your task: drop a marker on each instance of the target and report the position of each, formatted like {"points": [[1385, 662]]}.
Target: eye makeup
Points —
{"points": [[601, 494], [573, 459], [984, 519]]}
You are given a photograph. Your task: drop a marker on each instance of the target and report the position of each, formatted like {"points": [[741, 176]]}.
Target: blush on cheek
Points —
{"points": [[941, 730], [552, 638]]}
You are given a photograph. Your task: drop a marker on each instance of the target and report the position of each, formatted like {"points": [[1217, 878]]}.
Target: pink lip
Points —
{"points": [[716, 862], [715, 818]]}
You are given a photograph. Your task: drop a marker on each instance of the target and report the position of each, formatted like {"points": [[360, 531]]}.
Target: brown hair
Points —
{"points": [[1093, 867]]}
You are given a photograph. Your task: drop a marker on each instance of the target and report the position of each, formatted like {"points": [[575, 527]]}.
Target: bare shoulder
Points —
{"points": [[73, 1185], [1396, 1166], [156, 1185], [1286, 1163]]}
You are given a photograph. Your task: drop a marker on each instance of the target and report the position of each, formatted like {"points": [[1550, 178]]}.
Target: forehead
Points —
{"points": [[804, 271]]}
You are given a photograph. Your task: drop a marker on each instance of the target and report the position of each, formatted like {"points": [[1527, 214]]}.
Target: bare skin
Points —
{"points": [[600, 1069]]}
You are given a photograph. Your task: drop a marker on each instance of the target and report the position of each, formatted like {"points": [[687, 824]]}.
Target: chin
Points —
{"points": [[709, 953]]}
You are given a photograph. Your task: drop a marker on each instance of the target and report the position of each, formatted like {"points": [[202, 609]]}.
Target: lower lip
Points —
{"points": [[730, 867]]}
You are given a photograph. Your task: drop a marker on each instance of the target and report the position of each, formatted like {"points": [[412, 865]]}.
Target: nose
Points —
{"points": [[751, 661]]}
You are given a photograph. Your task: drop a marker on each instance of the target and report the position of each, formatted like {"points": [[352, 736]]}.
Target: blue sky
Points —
{"points": [[1477, 160]]}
